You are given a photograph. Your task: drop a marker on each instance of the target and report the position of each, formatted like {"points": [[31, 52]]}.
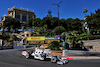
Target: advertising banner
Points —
{"points": [[35, 41], [58, 38], [35, 38], [49, 38]]}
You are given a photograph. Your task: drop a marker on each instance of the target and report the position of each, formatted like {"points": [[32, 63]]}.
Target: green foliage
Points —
{"points": [[91, 37], [52, 25], [54, 45], [73, 39], [1, 37], [94, 20], [4, 37], [43, 31], [11, 23], [62, 29], [93, 31], [47, 20], [69, 24], [52, 22], [36, 22], [83, 34], [30, 22], [73, 24], [66, 46], [63, 35]]}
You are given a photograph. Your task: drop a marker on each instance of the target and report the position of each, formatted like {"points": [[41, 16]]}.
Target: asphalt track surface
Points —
{"points": [[13, 58]]}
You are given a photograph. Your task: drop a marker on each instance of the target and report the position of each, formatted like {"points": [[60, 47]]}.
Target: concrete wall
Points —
{"points": [[93, 45]]}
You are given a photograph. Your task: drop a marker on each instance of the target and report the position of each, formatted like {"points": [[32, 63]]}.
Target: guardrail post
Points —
{"points": [[86, 54]]}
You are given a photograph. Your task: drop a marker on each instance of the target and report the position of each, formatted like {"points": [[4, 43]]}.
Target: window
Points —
{"points": [[18, 17], [23, 18], [6, 17]]}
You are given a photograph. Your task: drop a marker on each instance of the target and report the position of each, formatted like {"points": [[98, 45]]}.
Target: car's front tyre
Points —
{"points": [[27, 56]]}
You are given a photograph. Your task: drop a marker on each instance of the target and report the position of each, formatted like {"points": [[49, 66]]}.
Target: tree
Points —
{"points": [[84, 11], [63, 23], [54, 22], [73, 39], [37, 22], [94, 20], [30, 22], [64, 34], [47, 20], [37, 31], [69, 25], [43, 31], [54, 45], [62, 29], [5, 37], [73, 24], [76, 25], [11, 23]]}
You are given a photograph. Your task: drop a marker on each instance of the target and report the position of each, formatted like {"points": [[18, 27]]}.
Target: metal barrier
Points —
{"points": [[79, 53], [19, 47], [6, 47]]}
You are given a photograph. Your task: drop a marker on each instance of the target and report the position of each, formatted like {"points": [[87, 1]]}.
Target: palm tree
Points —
{"points": [[73, 39], [84, 11]]}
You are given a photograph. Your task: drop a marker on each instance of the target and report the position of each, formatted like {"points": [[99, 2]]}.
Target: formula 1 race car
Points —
{"points": [[59, 60], [27, 53], [36, 54], [43, 55]]}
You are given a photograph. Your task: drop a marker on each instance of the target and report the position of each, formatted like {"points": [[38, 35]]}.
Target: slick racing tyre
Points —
{"points": [[53, 59], [27, 56]]}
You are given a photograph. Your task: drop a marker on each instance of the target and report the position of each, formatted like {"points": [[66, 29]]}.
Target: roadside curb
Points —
{"points": [[81, 58]]}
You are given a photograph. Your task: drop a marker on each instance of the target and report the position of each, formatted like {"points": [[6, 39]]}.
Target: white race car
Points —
{"points": [[27, 53], [42, 55], [37, 54]]}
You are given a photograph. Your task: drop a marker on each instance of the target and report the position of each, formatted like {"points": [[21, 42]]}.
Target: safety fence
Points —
{"points": [[79, 53], [13, 47]]}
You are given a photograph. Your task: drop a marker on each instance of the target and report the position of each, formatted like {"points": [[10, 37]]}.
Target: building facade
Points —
{"points": [[23, 15]]}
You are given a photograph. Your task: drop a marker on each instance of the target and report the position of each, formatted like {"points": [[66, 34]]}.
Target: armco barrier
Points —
{"points": [[7, 47], [0, 47], [19, 47], [74, 53], [65, 52], [79, 53]]}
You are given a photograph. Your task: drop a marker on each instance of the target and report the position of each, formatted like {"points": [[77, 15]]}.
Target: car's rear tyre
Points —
{"points": [[53, 59]]}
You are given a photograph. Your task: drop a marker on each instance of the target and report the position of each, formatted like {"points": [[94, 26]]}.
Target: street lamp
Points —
{"points": [[58, 15]]}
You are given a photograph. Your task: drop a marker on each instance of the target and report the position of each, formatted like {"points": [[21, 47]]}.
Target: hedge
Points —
{"points": [[91, 37]]}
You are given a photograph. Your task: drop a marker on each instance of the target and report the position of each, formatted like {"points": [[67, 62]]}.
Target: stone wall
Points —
{"points": [[92, 45]]}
